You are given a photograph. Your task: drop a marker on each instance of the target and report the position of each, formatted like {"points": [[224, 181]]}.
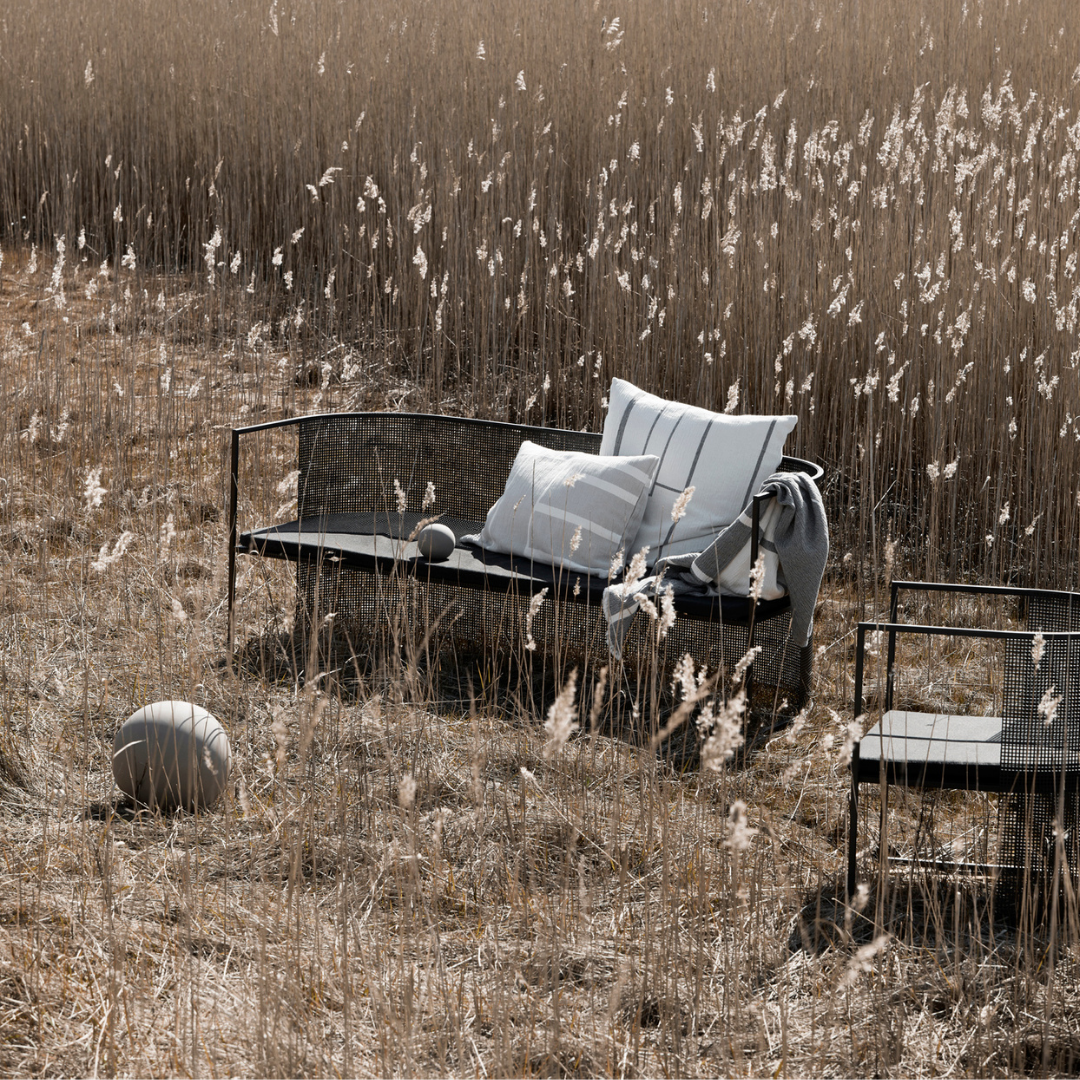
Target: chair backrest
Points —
{"points": [[1040, 744], [1050, 610], [1040, 731]]}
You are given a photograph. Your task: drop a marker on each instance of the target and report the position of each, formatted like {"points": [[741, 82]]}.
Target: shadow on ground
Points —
{"points": [[463, 676]]}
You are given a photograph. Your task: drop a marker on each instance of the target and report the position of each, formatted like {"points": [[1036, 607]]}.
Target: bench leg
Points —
{"points": [[234, 487], [853, 823]]}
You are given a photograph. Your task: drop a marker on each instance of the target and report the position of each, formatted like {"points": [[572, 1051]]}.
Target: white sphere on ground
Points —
{"points": [[172, 755], [436, 542]]}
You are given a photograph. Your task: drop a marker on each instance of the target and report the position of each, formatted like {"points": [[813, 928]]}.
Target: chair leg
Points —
{"points": [[883, 844], [853, 823]]}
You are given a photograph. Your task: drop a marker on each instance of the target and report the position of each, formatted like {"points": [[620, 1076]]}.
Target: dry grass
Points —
{"points": [[594, 913], [865, 213], [584, 916]]}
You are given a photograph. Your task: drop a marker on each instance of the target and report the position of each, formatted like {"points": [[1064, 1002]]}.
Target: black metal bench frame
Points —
{"points": [[349, 535]]}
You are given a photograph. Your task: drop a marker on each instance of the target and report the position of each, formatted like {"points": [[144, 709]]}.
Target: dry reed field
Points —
{"points": [[214, 213]]}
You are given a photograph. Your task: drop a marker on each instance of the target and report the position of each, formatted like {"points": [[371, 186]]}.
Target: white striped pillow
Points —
{"points": [[551, 494], [724, 458]]}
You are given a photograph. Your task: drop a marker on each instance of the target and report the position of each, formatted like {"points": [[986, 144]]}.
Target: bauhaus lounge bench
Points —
{"points": [[361, 488]]}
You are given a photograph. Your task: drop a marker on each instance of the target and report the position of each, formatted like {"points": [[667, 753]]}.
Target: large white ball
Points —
{"points": [[436, 542], [170, 755]]}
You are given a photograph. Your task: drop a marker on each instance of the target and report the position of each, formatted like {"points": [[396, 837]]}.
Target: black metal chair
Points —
{"points": [[1029, 753]]}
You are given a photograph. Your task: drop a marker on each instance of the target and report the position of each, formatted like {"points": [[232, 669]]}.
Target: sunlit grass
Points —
{"points": [[216, 213], [692, 197]]}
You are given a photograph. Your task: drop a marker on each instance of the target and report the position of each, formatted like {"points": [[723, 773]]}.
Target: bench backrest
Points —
{"points": [[349, 462]]}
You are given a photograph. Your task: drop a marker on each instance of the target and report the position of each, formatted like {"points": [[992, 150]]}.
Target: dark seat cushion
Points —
{"points": [[378, 543]]}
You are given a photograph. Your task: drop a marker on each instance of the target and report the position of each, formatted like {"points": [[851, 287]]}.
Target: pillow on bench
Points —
{"points": [[550, 494], [725, 458]]}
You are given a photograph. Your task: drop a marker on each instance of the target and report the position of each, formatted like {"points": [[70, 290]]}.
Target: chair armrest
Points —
{"points": [[970, 590], [894, 629]]}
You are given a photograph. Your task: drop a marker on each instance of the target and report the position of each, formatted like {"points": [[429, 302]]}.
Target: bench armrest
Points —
{"points": [[234, 495]]}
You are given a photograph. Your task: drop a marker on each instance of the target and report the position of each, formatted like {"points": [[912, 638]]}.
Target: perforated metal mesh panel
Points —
{"points": [[1040, 751], [377, 614], [349, 463]]}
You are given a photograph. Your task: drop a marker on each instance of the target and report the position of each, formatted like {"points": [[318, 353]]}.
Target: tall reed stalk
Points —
{"points": [[865, 214]]}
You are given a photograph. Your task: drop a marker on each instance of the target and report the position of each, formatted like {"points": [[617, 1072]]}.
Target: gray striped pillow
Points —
{"points": [[725, 458], [551, 494]]}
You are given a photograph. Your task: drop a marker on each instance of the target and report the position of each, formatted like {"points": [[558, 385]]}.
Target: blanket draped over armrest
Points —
{"points": [[794, 544]]}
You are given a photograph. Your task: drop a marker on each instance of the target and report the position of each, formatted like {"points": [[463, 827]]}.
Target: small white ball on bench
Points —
{"points": [[436, 542]]}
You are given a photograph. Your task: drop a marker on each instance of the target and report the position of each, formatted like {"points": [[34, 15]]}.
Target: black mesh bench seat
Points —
{"points": [[374, 542], [349, 542]]}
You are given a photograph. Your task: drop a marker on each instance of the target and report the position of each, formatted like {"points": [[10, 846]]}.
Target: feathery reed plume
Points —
{"points": [[93, 492], [534, 610], [678, 509], [1038, 646], [561, 720], [739, 831]]}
